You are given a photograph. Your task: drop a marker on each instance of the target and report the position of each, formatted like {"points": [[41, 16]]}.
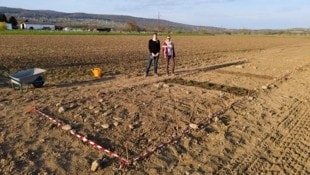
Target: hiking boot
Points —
{"points": [[156, 75]]}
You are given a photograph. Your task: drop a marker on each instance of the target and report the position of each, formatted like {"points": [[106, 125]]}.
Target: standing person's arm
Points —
{"points": [[165, 49], [173, 50], [158, 48], [149, 46]]}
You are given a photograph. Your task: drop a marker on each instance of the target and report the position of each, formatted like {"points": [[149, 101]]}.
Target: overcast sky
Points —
{"points": [[237, 14]]}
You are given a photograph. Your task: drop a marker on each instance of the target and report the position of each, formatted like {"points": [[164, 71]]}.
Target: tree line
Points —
{"points": [[12, 20]]}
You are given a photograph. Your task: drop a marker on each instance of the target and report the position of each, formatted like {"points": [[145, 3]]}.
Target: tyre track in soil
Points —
{"points": [[286, 148], [293, 155]]}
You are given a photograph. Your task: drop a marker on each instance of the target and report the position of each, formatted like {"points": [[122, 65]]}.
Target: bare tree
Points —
{"points": [[131, 26], [13, 21]]}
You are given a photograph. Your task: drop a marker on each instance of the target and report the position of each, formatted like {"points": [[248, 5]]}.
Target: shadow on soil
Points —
{"points": [[86, 82], [212, 86], [214, 67]]}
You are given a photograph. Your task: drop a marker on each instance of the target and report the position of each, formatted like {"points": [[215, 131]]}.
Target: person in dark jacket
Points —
{"points": [[154, 49]]}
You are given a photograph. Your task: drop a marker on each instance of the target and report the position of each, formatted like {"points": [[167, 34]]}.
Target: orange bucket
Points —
{"points": [[97, 72]]}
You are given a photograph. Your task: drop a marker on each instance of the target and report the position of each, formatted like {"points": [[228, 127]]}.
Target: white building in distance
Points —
{"points": [[36, 26], [9, 26]]}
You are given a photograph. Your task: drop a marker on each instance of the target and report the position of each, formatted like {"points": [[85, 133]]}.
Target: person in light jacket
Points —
{"points": [[169, 55]]}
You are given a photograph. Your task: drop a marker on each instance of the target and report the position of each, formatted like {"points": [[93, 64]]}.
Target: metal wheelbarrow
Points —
{"points": [[33, 76]]}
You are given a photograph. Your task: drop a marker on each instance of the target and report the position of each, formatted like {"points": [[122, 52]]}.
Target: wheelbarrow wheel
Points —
{"points": [[38, 82]]}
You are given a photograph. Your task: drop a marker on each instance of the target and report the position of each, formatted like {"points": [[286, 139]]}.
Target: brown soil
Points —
{"points": [[238, 105]]}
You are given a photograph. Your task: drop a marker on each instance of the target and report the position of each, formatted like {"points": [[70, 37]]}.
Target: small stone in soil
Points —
{"points": [[61, 109], [66, 127], [105, 126], [194, 126], [95, 165]]}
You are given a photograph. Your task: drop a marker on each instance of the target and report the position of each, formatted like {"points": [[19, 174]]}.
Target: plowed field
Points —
{"points": [[237, 105]]}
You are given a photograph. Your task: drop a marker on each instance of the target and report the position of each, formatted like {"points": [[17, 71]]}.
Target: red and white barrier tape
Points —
{"points": [[123, 162], [201, 125], [160, 146]]}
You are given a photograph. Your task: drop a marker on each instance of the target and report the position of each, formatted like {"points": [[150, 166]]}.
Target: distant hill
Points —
{"points": [[100, 20]]}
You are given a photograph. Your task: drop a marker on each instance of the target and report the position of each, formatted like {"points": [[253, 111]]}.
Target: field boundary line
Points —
{"points": [[145, 154]]}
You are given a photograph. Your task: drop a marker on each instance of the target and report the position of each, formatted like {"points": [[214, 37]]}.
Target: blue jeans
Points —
{"points": [[149, 63]]}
